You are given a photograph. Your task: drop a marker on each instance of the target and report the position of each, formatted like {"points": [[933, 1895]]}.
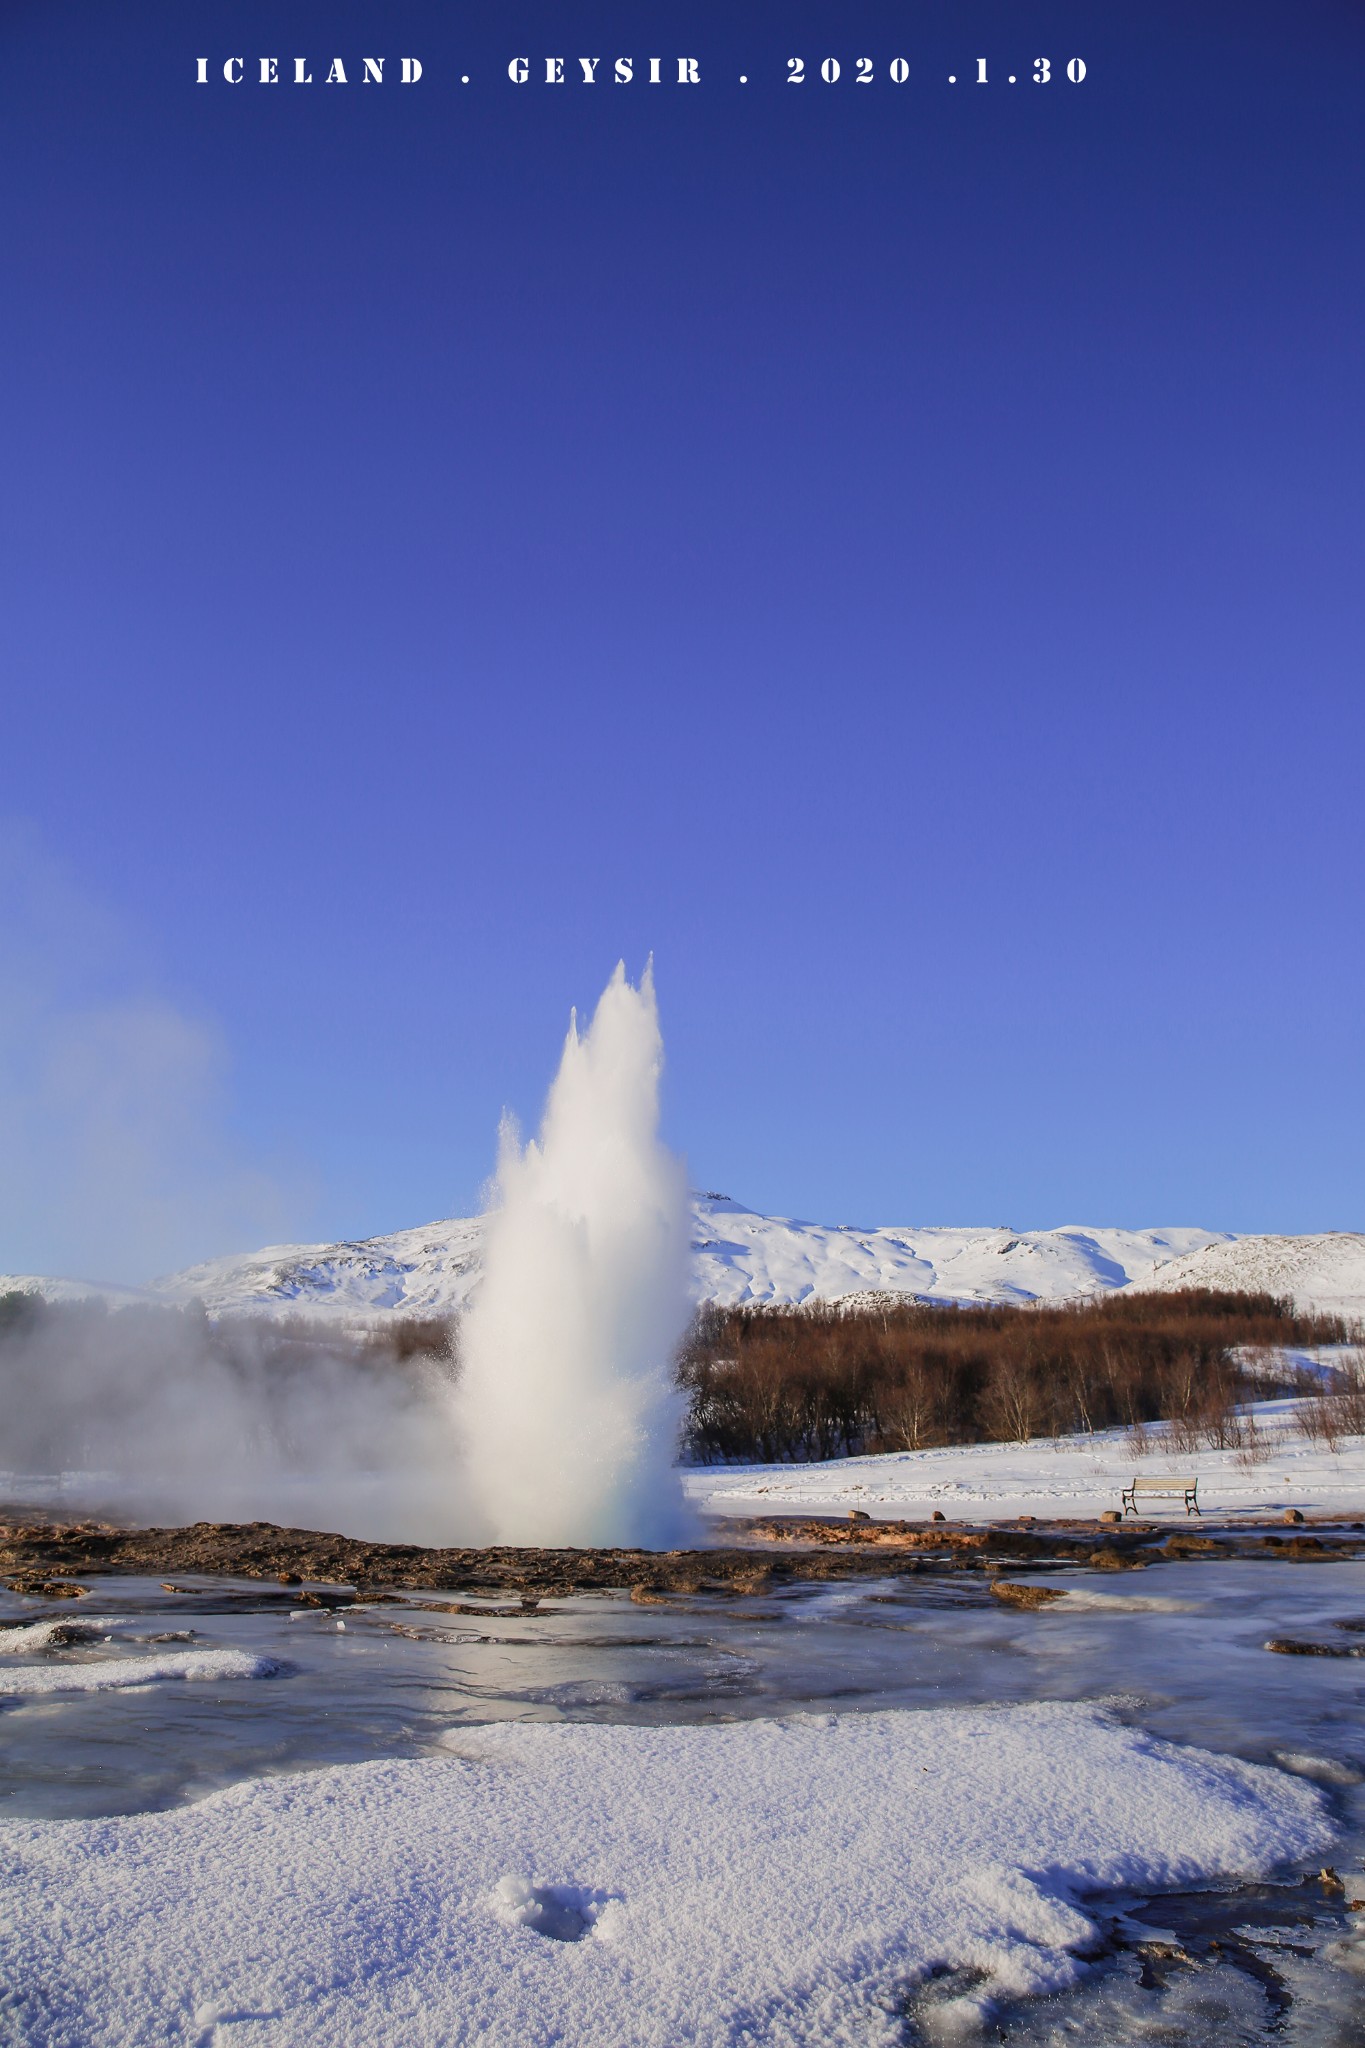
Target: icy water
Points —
{"points": [[1178, 1647]]}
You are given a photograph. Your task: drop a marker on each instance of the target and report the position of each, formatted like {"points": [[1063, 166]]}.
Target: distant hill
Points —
{"points": [[745, 1257]]}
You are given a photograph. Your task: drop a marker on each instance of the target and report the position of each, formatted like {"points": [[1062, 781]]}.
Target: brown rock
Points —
{"points": [[1292, 1515], [1181, 1545], [34, 1584], [1292, 1646], [938, 1516], [1111, 1515], [1111, 1559], [1025, 1596], [859, 1515]]}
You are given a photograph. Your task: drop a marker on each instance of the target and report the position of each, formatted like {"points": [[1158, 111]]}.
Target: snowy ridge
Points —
{"points": [[745, 1257], [740, 1257], [69, 1290]]}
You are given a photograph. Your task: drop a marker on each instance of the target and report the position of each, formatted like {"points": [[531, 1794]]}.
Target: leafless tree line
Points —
{"points": [[775, 1385]]}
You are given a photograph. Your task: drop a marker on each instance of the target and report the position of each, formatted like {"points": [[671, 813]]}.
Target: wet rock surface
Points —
{"points": [[1293, 1646]]}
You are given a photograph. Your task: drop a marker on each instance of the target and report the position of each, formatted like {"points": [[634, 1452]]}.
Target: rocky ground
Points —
{"points": [[48, 1558]]}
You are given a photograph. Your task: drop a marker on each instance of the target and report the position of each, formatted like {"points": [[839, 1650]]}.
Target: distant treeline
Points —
{"points": [[778, 1384], [766, 1384]]}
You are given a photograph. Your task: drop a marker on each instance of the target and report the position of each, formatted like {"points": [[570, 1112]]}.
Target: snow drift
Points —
{"points": [[577, 1885]]}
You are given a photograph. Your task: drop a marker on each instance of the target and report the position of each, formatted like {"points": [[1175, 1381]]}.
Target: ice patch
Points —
{"points": [[1123, 1603], [109, 1674], [51, 1635], [1328, 1770], [579, 1885]]}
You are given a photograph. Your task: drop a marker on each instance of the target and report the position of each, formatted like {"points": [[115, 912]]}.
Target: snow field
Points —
{"points": [[1077, 1476], [621, 1887]]}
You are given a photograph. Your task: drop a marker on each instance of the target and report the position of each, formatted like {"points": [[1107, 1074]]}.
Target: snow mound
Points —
{"points": [[579, 1885], [110, 1674]]}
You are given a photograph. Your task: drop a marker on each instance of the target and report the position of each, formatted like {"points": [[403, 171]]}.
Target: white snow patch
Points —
{"points": [[51, 1635], [109, 1674], [778, 1881]]}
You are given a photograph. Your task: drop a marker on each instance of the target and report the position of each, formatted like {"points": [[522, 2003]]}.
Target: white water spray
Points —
{"points": [[567, 1402]]}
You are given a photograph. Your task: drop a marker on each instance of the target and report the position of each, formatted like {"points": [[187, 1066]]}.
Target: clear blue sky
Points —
{"points": [[895, 552]]}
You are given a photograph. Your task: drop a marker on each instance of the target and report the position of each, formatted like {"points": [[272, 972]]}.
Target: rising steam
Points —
{"points": [[554, 1418], [569, 1412]]}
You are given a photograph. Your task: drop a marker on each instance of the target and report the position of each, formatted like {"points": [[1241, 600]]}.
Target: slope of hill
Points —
{"points": [[744, 1257], [1326, 1272], [740, 1257]]}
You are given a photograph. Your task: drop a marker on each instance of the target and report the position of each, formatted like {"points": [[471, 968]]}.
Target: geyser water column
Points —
{"points": [[569, 1412]]}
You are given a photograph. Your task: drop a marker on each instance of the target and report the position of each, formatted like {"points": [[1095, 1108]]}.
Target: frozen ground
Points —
{"points": [[741, 1256], [758, 1819], [603, 1887], [1077, 1475]]}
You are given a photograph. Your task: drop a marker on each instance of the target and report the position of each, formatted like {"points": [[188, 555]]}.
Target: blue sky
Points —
{"points": [[895, 553]]}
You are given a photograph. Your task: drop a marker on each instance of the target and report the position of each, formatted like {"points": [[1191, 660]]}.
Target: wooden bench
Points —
{"points": [[1163, 1489]]}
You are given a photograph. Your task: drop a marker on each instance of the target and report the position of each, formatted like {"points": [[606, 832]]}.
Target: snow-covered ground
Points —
{"points": [[625, 1887], [741, 1256], [1076, 1475]]}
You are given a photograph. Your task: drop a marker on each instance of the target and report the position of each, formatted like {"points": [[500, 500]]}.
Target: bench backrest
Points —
{"points": [[1164, 1485]]}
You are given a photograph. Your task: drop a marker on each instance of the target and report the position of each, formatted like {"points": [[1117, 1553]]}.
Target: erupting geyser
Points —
{"points": [[567, 1400]]}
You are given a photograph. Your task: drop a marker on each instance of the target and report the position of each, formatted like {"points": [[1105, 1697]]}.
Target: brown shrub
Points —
{"points": [[819, 1382]]}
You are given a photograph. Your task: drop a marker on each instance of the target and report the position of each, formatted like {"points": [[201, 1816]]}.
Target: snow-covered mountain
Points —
{"points": [[745, 1257], [1326, 1272]]}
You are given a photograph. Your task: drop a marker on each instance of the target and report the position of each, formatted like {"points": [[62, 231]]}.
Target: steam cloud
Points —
{"points": [[116, 1157], [158, 1414], [561, 1425]]}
